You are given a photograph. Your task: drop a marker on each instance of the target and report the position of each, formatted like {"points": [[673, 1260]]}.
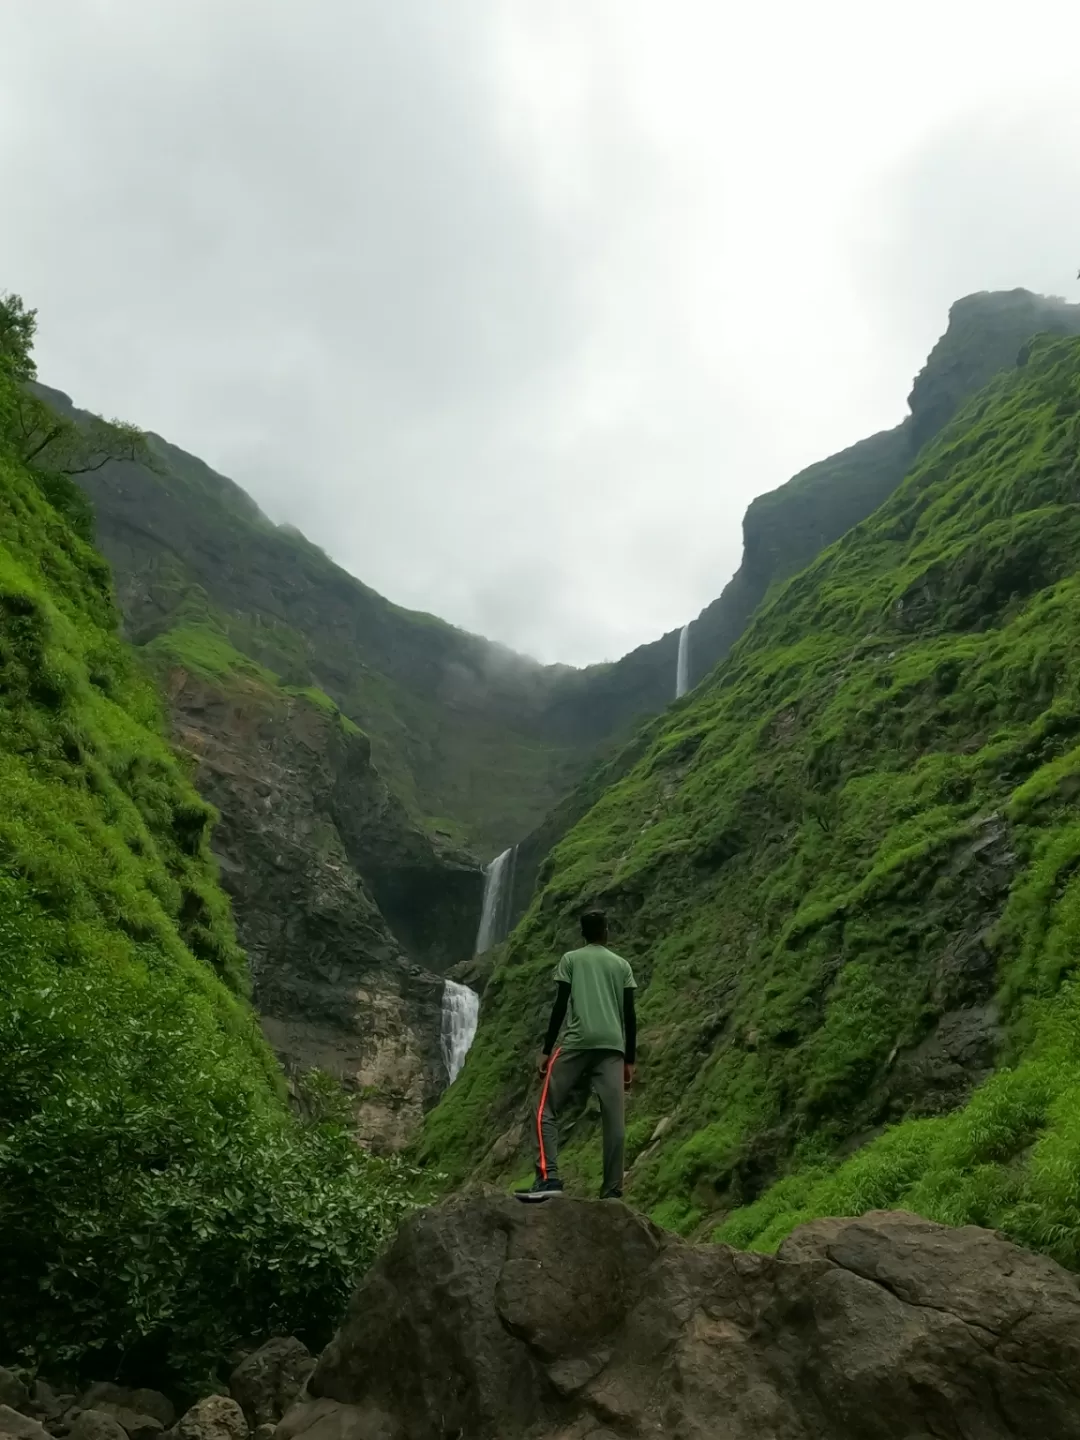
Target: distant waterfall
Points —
{"points": [[682, 665], [498, 899], [460, 1009]]}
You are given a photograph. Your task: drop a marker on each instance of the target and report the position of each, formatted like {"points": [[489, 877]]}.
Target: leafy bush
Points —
{"points": [[157, 1204]]}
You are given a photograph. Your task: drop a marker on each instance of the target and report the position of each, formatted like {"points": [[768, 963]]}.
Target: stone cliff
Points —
{"points": [[336, 893], [785, 529], [574, 1320]]}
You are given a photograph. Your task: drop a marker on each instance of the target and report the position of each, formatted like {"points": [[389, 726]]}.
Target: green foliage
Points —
{"points": [[864, 822], [199, 643], [202, 647], [51, 443], [17, 328], [158, 1203]]}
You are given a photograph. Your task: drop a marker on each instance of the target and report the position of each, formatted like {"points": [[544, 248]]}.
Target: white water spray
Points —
{"points": [[460, 1011], [495, 912], [682, 665]]}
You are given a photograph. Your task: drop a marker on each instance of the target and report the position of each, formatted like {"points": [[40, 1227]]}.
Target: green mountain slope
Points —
{"points": [[785, 529], [847, 870], [157, 1202], [478, 741]]}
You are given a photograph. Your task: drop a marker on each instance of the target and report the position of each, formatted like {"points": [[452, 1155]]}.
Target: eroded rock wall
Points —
{"points": [[578, 1320], [307, 837]]}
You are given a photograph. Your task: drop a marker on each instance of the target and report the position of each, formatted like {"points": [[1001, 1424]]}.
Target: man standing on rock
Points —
{"points": [[596, 988]]}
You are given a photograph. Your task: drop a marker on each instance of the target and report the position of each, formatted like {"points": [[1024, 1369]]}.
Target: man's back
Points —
{"points": [[598, 980]]}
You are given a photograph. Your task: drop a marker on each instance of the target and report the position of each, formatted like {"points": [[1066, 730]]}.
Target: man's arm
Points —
{"points": [[558, 1015], [629, 1025]]}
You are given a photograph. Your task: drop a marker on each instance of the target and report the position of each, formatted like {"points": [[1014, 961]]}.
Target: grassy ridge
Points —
{"points": [[860, 832], [157, 1201]]}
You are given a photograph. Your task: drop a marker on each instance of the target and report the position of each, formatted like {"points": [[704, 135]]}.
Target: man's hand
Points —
{"points": [[628, 1076], [542, 1063]]}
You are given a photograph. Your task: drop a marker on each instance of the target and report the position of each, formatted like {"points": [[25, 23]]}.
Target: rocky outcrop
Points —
{"points": [[267, 1382], [263, 1386], [785, 529], [217, 1417], [580, 1321], [103, 1412], [309, 842]]}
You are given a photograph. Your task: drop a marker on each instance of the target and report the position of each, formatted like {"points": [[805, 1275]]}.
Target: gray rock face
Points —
{"points": [[135, 1425], [493, 1320], [13, 1392], [305, 821], [216, 1418], [20, 1427], [98, 1425], [267, 1382], [106, 1396]]}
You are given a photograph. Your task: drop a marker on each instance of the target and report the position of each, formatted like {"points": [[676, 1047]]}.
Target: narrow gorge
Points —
{"points": [[285, 868]]}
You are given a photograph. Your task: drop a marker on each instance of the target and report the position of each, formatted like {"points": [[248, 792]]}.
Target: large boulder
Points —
{"points": [[20, 1427], [498, 1321], [96, 1425], [134, 1424], [267, 1382], [47, 1404], [13, 1393], [112, 1398], [217, 1417]]}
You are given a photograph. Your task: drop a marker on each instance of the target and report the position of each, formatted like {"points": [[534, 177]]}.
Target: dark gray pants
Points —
{"points": [[603, 1071]]}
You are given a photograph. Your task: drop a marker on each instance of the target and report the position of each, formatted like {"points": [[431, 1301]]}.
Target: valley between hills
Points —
{"points": [[250, 807]]}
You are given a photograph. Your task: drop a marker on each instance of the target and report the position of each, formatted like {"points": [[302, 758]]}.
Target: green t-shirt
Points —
{"points": [[597, 978]]}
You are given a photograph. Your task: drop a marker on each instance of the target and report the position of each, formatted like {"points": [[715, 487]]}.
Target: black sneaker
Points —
{"points": [[611, 1195], [540, 1190]]}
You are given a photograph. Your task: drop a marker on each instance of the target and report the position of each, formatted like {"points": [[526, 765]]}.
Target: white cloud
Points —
{"points": [[513, 308]]}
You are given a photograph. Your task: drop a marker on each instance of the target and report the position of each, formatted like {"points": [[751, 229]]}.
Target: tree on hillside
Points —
{"points": [[17, 327], [48, 441], [43, 439]]}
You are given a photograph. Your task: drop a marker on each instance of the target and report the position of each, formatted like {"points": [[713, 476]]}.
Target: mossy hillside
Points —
{"points": [[866, 820], [459, 727], [784, 530], [202, 647], [157, 1202]]}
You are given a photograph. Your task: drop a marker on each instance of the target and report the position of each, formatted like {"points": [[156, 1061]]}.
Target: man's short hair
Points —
{"points": [[594, 927]]}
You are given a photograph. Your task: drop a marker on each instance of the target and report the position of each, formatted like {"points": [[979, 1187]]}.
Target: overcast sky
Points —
{"points": [[513, 305]]}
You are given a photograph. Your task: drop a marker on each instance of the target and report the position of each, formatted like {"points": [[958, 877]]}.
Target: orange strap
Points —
{"points": [[540, 1114]]}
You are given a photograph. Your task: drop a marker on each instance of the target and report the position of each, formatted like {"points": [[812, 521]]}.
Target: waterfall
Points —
{"points": [[682, 665], [460, 1009], [495, 912]]}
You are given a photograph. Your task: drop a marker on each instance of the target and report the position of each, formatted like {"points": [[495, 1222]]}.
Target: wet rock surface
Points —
{"points": [[578, 1320], [217, 1417], [267, 1382], [314, 852]]}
